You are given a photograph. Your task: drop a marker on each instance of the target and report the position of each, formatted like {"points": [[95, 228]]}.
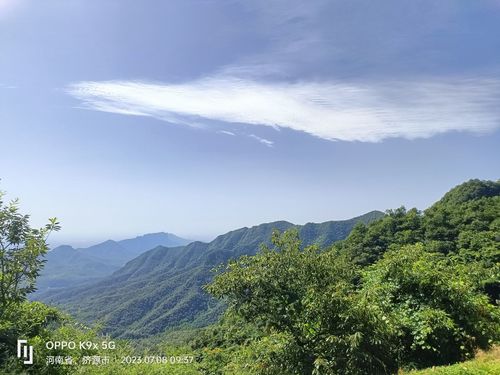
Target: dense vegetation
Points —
{"points": [[163, 288], [412, 290], [406, 292], [21, 259]]}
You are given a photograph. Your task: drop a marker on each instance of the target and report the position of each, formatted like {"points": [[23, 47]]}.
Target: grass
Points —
{"points": [[484, 363]]}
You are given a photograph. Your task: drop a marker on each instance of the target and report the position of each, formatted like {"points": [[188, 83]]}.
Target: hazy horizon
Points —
{"points": [[200, 117], [55, 240]]}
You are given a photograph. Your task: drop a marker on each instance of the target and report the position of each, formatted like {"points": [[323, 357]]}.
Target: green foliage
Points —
{"points": [[24, 320], [21, 252], [306, 304], [470, 229], [63, 328], [41, 324], [464, 224], [219, 345], [435, 307], [405, 291], [470, 191], [163, 288], [21, 259], [268, 355], [367, 242]]}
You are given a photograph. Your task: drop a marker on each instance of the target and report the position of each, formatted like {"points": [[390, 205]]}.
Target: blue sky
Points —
{"points": [[198, 117]]}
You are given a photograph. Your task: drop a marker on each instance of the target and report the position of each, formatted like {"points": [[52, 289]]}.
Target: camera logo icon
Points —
{"points": [[25, 352]]}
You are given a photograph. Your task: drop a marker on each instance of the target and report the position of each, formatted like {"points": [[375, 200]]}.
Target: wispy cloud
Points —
{"points": [[227, 132], [264, 141], [367, 112]]}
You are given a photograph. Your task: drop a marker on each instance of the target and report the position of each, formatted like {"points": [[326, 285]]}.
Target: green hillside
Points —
{"points": [[162, 288], [412, 292], [409, 291]]}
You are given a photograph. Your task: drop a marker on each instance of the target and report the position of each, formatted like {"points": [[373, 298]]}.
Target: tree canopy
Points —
{"points": [[407, 291]]}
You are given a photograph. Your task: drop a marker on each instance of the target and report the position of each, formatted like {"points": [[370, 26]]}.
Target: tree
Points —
{"points": [[21, 259], [433, 303], [305, 303], [317, 312], [21, 253], [367, 243]]}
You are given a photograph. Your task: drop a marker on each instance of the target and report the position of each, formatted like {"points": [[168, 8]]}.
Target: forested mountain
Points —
{"points": [[412, 290], [464, 224], [163, 287], [67, 267], [406, 290]]}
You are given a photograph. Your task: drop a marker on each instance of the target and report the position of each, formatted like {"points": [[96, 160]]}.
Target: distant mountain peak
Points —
{"points": [[63, 248], [154, 234], [67, 266], [107, 242], [136, 310]]}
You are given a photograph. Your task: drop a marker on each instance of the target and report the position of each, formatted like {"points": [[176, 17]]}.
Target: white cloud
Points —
{"points": [[227, 132], [366, 112], [264, 141]]}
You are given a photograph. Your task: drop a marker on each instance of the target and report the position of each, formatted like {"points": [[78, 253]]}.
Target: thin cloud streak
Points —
{"points": [[264, 141], [227, 133], [368, 112]]}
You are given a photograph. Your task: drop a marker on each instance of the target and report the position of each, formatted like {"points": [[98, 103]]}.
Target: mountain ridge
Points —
{"points": [[163, 287], [67, 266]]}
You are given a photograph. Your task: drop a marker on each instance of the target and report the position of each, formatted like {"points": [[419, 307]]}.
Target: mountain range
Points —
{"points": [[66, 267], [163, 287]]}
